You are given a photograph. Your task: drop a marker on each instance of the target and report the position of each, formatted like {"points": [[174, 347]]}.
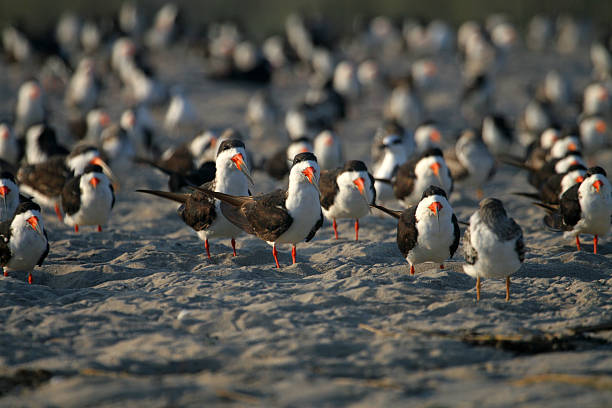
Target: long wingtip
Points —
{"points": [[392, 213], [178, 197]]}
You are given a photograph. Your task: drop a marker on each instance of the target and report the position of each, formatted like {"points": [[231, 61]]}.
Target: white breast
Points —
{"points": [[305, 210]]}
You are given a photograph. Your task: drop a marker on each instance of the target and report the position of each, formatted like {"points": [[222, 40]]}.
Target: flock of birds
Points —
{"points": [[210, 173]]}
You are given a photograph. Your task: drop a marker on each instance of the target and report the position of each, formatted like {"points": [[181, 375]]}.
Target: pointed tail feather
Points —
{"points": [[515, 161], [554, 222], [178, 197], [549, 208], [533, 196], [236, 201], [393, 213], [142, 160], [382, 180]]}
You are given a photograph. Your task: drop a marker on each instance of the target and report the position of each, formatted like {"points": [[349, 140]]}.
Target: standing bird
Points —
{"points": [[41, 144], [414, 177], [9, 195], [492, 244], [30, 109], [347, 193], [282, 216], [427, 135], [586, 208], [428, 231], [10, 151], [394, 154], [23, 240], [328, 149], [497, 134], [470, 162], [88, 198], [203, 213]]}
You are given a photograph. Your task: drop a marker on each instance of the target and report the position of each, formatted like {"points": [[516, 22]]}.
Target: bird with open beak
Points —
{"points": [[282, 216], [428, 231], [23, 240], [347, 192], [202, 212]]}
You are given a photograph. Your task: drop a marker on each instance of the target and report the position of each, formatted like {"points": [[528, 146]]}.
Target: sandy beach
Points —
{"points": [[138, 316]]}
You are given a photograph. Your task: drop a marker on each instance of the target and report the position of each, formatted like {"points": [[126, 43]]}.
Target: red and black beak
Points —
{"points": [[309, 173], [238, 160], [360, 183], [597, 184], [35, 224], [94, 181]]}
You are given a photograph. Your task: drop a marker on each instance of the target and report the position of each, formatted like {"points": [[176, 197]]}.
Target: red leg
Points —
{"points": [[595, 244], [412, 269], [30, 278], [275, 255], [234, 246], [76, 228], [293, 254], [5, 272], [58, 212], [335, 228], [441, 266], [578, 242], [99, 228], [207, 248], [356, 230]]}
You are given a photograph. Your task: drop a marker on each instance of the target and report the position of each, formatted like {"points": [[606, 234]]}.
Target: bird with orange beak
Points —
{"points": [[88, 198], [23, 240], [202, 212], [347, 192], [9, 196], [414, 177], [428, 231], [282, 216], [585, 208]]}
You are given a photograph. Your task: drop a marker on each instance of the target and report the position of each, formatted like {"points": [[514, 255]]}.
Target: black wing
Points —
{"points": [[329, 187], [314, 229], [373, 190], [570, 207], [71, 196], [198, 211], [276, 166], [44, 255], [457, 233], [112, 189], [403, 181], [469, 252], [48, 178], [264, 216], [407, 233], [5, 237], [520, 248]]}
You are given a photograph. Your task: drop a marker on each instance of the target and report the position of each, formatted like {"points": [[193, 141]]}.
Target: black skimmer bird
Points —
{"points": [[553, 187], [188, 156], [41, 144], [10, 150], [585, 208], [328, 149], [45, 181], [594, 134], [345, 80], [203, 213], [470, 162], [596, 99], [497, 134], [87, 199], [261, 114], [391, 150], [30, 108], [282, 216], [9, 195], [427, 135], [428, 231], [23, 240], [404, 104], [96, 121], [493, 244], [477, 98], [181, 115], [83, 89], [278, 165], [412, 178], [347, 193]]}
